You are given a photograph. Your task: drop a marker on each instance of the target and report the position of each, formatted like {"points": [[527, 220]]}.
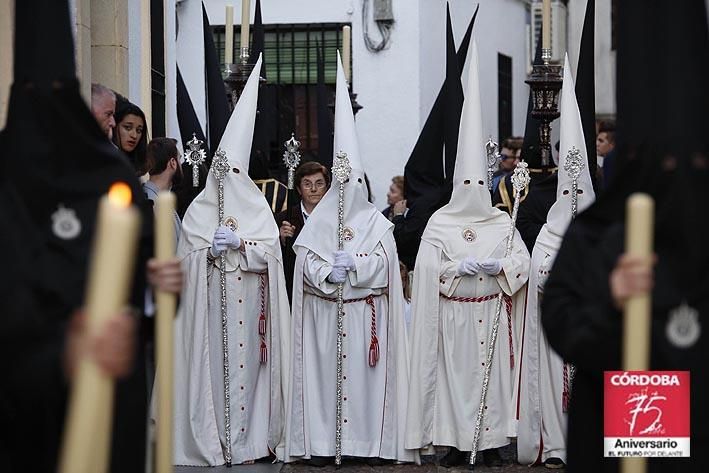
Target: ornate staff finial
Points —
{"points": [[291, 157], [520, 178], [195, 157], [341, 169], [220, 164], [573, 165], [493, 156]]}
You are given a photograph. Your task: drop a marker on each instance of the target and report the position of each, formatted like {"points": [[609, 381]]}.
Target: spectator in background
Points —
{"points": [[165, 171], [103, 108], [394, 196], [509, 157], [605, 148], [131, 134]]}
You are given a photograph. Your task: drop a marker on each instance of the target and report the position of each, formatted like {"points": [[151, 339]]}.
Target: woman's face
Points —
{"points": [[394, 195], [130, 131]]}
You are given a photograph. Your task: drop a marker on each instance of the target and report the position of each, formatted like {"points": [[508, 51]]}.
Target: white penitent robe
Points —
{"points": [[450, 343], [542, 376], [255, 283], [374, 398]]}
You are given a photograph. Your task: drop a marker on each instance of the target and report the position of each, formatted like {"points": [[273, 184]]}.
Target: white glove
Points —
{"points": [[224, 238], [344, 259], [491, 266], [468, 267], [337, 275], [541, 282]]}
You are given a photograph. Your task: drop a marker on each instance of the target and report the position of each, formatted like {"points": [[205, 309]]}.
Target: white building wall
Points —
{"points": [[397, 86], [604, 56], [499, 28]]}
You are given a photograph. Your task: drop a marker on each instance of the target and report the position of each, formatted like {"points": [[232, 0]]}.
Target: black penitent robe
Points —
{"points": [[44, 176], [534, 205], [533, 211], [408, 228], [584, 328], [294, 216]]}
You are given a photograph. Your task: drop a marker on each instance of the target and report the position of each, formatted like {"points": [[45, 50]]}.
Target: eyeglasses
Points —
{"points": [[314, 185]]}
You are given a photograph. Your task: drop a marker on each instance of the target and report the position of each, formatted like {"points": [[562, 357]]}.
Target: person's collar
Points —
{"points": [[152, 186], [303, 211]]}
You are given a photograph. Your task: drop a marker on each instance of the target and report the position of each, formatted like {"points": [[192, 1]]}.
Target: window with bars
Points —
{"points": [[288, 101]]}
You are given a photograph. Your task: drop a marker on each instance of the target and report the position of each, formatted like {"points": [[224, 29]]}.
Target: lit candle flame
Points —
{"points": [[120, 195]]}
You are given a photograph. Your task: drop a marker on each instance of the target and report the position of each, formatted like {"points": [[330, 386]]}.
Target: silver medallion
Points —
{"points": [[683, 328], [348, 234], [232, 223], [65, 223], [469, 235]]}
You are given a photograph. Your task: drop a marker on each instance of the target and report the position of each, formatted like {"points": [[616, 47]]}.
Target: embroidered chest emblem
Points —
{"points": [[348, 234], [65, 223], [232, 223], [469, 235], [683, 328]]}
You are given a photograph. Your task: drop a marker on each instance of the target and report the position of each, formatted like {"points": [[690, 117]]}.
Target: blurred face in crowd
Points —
{"points": [[312, 188], [509, 158], [395, 194], [130, 131], [604, 144], [103, 107]]}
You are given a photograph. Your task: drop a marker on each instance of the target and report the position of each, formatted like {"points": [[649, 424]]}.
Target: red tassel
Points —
{"points": [[374, 352], [565, 401], [264, 352], [262, 325]]}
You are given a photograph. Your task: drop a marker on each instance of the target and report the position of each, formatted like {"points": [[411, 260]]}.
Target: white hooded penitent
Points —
{"points": [[452, 313], [257, 314], [544, 376]]}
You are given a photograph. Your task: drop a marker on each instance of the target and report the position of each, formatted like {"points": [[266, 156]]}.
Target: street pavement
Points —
{"points": [[429, 466]]}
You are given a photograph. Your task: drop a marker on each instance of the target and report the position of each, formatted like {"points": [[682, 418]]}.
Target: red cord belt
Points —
{"points": [[508, 306], [374, 341]]}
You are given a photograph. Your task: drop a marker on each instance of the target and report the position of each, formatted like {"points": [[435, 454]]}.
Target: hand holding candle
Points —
{"points": [[87, 436]]}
